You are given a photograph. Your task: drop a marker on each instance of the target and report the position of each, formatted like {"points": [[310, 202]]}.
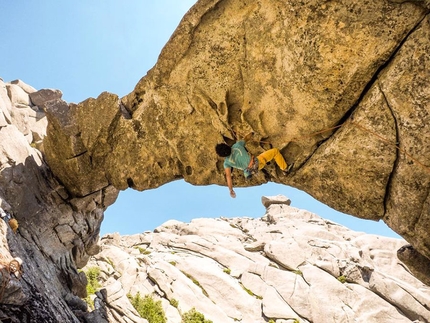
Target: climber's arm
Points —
{"points": [[229, 182]]}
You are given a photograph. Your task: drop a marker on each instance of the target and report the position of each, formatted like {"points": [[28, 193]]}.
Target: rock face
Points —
{"points": [[57, 233], [289, 265], [341, 88]]}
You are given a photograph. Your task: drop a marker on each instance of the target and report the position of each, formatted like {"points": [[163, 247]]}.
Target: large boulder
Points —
{"points": [[341, 88]]}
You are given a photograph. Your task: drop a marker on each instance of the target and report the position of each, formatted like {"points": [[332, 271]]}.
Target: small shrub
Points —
{"points": [[227, 271], [173, 263], [174, 303], [148, 308], [143, 251], [192, 316], [93, 275], [342, 279]]}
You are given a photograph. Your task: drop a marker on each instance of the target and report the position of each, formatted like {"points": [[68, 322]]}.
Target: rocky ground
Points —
{"points": [[288, 265]]}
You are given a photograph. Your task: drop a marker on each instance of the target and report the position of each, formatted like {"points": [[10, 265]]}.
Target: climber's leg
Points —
{"points": [[270, 154]]}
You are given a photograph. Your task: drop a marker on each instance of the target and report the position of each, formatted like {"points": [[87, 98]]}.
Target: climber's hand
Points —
{"points": [[232, 193]]}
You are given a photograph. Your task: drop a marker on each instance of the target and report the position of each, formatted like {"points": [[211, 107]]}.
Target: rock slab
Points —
{"points": [[343, 276]]}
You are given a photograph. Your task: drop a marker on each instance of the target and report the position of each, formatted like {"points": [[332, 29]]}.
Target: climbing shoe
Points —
{"points": [[288, 170]]}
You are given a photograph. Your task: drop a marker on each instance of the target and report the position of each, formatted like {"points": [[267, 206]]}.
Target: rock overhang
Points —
{"points": [[267, 69]]}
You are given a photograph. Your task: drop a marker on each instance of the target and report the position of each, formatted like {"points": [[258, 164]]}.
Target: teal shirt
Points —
{"points": [[239, 157]]}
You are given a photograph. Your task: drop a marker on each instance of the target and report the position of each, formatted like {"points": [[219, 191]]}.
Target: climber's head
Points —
{"points": [[223, 150]]}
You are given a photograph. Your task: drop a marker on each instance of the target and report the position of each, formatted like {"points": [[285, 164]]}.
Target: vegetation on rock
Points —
{"points": [[342, 279], [174, 303], [250, 292], [93, 275], [148, 308], [192, 316], [196, 282]]}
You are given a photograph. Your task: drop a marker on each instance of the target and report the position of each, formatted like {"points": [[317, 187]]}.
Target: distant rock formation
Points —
{"points": [[289, 265], [340, 87]]}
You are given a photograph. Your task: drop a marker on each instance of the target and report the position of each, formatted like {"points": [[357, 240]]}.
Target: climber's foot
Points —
{"points": [[288, 170]]}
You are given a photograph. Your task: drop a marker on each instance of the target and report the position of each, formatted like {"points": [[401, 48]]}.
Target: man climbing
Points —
{"points": [[238, 157]]}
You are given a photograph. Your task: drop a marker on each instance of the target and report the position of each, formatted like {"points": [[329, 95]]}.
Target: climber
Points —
{"points": [[238, 157]]}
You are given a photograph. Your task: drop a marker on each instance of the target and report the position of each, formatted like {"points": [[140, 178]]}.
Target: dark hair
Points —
{"points": [[223, 150]]}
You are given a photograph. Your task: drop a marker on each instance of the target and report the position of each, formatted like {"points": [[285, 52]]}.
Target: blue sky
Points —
{"points": [[86, 47]]}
